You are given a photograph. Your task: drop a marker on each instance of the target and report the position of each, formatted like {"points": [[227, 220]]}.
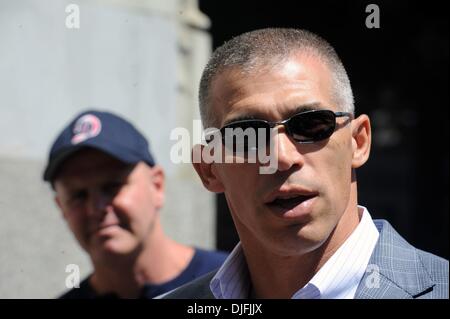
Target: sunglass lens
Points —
{"points": [[312, 126], [245, 136]]}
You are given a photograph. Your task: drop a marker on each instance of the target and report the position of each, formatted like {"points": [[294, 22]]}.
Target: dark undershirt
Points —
{"points": [[202, 262]]}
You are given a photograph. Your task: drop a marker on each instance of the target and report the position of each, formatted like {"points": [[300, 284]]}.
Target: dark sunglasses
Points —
{"points": [[305, 127]]}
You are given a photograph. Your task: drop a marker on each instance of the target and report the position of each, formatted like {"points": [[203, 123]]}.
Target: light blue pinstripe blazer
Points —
{"points": [[405, 272], [396, 270]]}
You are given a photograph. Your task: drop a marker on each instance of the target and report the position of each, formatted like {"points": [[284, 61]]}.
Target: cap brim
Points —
{"points": [[58, 159]]}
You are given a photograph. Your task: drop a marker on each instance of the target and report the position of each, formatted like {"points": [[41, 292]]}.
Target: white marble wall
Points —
{"points": [[140, 59]]}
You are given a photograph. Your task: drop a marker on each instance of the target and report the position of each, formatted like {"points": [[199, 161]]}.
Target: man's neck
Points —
{"points": [[160, 260], [276, 276]]}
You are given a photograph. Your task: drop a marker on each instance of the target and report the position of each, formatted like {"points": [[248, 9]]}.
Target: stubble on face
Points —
{"points": [[321, 168], [122, 194]]}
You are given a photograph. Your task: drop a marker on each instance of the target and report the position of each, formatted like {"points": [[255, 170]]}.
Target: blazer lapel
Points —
{"points": [[395, 270]]}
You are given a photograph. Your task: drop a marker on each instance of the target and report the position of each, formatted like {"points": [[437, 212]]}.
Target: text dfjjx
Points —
{"points": [[240, 309]]}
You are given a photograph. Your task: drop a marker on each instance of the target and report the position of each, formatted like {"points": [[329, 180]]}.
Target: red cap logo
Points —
{"points": [[87, 126]]}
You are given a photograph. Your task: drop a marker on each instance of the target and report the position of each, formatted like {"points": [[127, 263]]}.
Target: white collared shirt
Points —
{"points": [[338, 278]]}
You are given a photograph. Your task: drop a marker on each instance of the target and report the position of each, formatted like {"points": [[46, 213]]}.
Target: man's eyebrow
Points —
{"points": [[298, 109], [242, 117], [307, 107]]}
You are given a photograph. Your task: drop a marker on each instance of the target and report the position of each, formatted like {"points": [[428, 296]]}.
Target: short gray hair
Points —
{"points": [[252, 50]]}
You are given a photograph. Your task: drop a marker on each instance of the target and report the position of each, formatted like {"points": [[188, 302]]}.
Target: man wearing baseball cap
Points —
{"points": [[110, 191]]}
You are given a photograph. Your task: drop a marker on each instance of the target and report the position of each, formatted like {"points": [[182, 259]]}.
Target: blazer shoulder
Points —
{"points": [[404, 271]]}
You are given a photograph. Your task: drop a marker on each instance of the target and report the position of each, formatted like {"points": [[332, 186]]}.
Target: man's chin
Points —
{"points": [[112, 246], [298, 239]]}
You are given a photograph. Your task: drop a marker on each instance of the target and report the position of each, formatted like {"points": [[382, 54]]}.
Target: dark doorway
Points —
{"points": [[399, 75]]}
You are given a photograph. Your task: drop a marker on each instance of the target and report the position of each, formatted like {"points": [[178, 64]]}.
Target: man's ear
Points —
{"points": [[361, 140], [158, 180], [206, 171], [58, 203]]}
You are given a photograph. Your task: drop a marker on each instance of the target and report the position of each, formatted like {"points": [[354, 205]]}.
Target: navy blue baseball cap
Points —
{"points": [[103, 131]]}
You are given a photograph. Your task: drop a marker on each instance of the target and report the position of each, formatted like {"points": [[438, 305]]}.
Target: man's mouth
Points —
{"points": [[108, 225], [104, 228], [290, 201]]}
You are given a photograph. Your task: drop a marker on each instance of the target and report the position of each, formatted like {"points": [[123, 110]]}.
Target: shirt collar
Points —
{"points": [[232, 279], [339, 277]]}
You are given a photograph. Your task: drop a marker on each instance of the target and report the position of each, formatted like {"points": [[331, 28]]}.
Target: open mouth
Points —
{"points": [[290, 202]]}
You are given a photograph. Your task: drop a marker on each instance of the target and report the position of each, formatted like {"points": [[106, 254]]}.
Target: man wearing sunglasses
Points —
{"points": [[302, 232], [110, 191]]}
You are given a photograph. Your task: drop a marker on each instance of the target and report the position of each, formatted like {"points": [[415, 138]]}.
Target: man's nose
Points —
{"points": [[286, 152]]}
